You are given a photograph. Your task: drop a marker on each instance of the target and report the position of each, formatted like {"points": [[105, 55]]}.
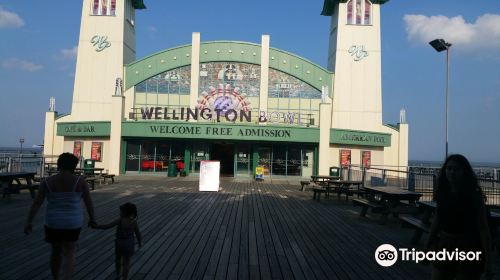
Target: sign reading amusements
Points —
{"points": [[362, 138]]}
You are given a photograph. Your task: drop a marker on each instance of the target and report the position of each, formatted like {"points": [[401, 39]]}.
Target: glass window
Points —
{"points": [[293, 160], [359, 12], [290, 99], [368, 11], [95, 7], [113, 7], [103, 7], [278, 165], [349, 12], [132, 156]]}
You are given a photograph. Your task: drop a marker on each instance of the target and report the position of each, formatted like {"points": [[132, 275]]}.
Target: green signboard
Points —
{"points": [[92, 129], [198, 130], [362, 138]]}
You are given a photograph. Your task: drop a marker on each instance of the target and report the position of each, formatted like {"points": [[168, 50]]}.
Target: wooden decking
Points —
{"points": [[248, 230]]}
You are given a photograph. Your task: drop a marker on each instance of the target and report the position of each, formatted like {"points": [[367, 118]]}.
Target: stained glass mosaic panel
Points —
{"points": [[173, 81]]}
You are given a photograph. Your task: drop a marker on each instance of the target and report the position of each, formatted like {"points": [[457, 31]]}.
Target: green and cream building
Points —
{"points": [[245, 104]]}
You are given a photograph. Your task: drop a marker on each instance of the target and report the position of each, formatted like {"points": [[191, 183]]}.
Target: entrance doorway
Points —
{"points": [[225, 154]]}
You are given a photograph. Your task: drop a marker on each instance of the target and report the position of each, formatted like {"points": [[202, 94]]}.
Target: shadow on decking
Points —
{"points": [[247, 230]]}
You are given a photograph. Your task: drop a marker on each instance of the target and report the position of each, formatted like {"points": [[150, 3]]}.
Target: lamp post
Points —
{"points": [[441, 45], [21, 141]]}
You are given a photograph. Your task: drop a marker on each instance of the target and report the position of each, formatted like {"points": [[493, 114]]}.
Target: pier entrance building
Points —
{"points": [[245, 104]]}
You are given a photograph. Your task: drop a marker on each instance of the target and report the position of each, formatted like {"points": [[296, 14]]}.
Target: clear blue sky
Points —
{"points": [[38, 40]]}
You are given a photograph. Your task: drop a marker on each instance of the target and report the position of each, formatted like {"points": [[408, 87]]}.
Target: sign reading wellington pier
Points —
{"points": [[214, 114]]}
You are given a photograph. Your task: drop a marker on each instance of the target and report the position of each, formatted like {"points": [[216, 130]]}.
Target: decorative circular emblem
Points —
{"points": [[224, 98], [223, 103]]}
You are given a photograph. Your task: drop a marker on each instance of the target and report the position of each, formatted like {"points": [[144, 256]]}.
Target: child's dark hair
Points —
{"points": [[128, 210]]}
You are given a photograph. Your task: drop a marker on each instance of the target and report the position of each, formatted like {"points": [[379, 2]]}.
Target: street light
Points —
{"points": [[21, 141], [441, 45]]}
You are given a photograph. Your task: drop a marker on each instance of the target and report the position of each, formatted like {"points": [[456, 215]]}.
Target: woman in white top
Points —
{"points": [[64, 216]]}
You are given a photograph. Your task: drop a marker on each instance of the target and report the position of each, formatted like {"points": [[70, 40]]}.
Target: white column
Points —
{"points": [[195, 69], [325, 117], [403, 146], [115, 137], [264, 72], [50, 132]]}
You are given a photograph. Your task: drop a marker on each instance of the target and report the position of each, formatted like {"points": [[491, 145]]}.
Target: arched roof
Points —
{"points": [[221, 51]]}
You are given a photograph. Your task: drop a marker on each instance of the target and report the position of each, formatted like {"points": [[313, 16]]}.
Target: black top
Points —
{"points": [[459, 214]]}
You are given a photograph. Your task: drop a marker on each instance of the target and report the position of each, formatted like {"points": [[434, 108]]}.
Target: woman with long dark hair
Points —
{"points": [[460, 222]]}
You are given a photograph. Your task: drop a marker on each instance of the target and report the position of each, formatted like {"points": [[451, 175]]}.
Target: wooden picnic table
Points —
{"points": [[323, 185], [323, 179], [345, 186], [390, 201], [7, 179], [393, 195]]}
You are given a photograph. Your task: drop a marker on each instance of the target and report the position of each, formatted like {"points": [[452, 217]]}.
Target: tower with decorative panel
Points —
{"points": [[106, 44], [354, 56]]}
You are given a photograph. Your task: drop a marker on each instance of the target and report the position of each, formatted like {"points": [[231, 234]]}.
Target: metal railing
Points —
{"points": [[22, 163], [421, 180]]}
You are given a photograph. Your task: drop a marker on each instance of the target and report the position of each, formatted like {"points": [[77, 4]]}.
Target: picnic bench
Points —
{"points": [[317, 191], [419, 225], [105, 176], [366, 204], [8, 178], [304, 184], [91, 181]]}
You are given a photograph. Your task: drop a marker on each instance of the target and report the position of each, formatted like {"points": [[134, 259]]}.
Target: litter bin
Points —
{"points": [[335, 171], [172, 169], [88, 167]]}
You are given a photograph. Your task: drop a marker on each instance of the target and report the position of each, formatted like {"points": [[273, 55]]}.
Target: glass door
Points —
{"points": [[199, 152], [243, 160], [265, 159], [307, 162]]}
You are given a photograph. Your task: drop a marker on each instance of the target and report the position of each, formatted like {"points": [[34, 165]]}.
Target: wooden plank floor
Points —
{"points": [[246, 231]]}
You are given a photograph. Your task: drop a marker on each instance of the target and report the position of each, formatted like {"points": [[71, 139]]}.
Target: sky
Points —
{"points": [[38, 43]]}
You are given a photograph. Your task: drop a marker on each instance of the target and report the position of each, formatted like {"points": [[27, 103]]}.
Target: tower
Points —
{"points": [[106, 44], [354, 56]]}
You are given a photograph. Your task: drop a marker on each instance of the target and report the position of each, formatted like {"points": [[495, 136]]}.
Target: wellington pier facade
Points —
{"points": [[243, 103]]}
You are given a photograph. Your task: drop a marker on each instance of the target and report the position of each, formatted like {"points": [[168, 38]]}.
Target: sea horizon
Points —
{"points": [[411, 162]]}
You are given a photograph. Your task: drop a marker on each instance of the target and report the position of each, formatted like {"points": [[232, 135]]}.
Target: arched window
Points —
{"points": [[359, 12], [103, 7]]}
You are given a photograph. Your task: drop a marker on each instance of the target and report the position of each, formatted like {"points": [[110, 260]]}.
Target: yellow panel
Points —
{"points": [[294, 103], [305, 104], [184, 100], [315, 104], [162, 99], [140, 98], [283, 103], [272, 103], [173, 100], [152, 98]]}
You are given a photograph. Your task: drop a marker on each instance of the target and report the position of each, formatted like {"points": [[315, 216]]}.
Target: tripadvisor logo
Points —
{"points": [[386, 255]]}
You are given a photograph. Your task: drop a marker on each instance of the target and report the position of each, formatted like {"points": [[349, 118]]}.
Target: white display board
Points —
{"points": [[209, 175]]}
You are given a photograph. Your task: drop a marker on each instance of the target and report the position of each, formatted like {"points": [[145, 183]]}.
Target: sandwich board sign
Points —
{"points": [[209, 175]]}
